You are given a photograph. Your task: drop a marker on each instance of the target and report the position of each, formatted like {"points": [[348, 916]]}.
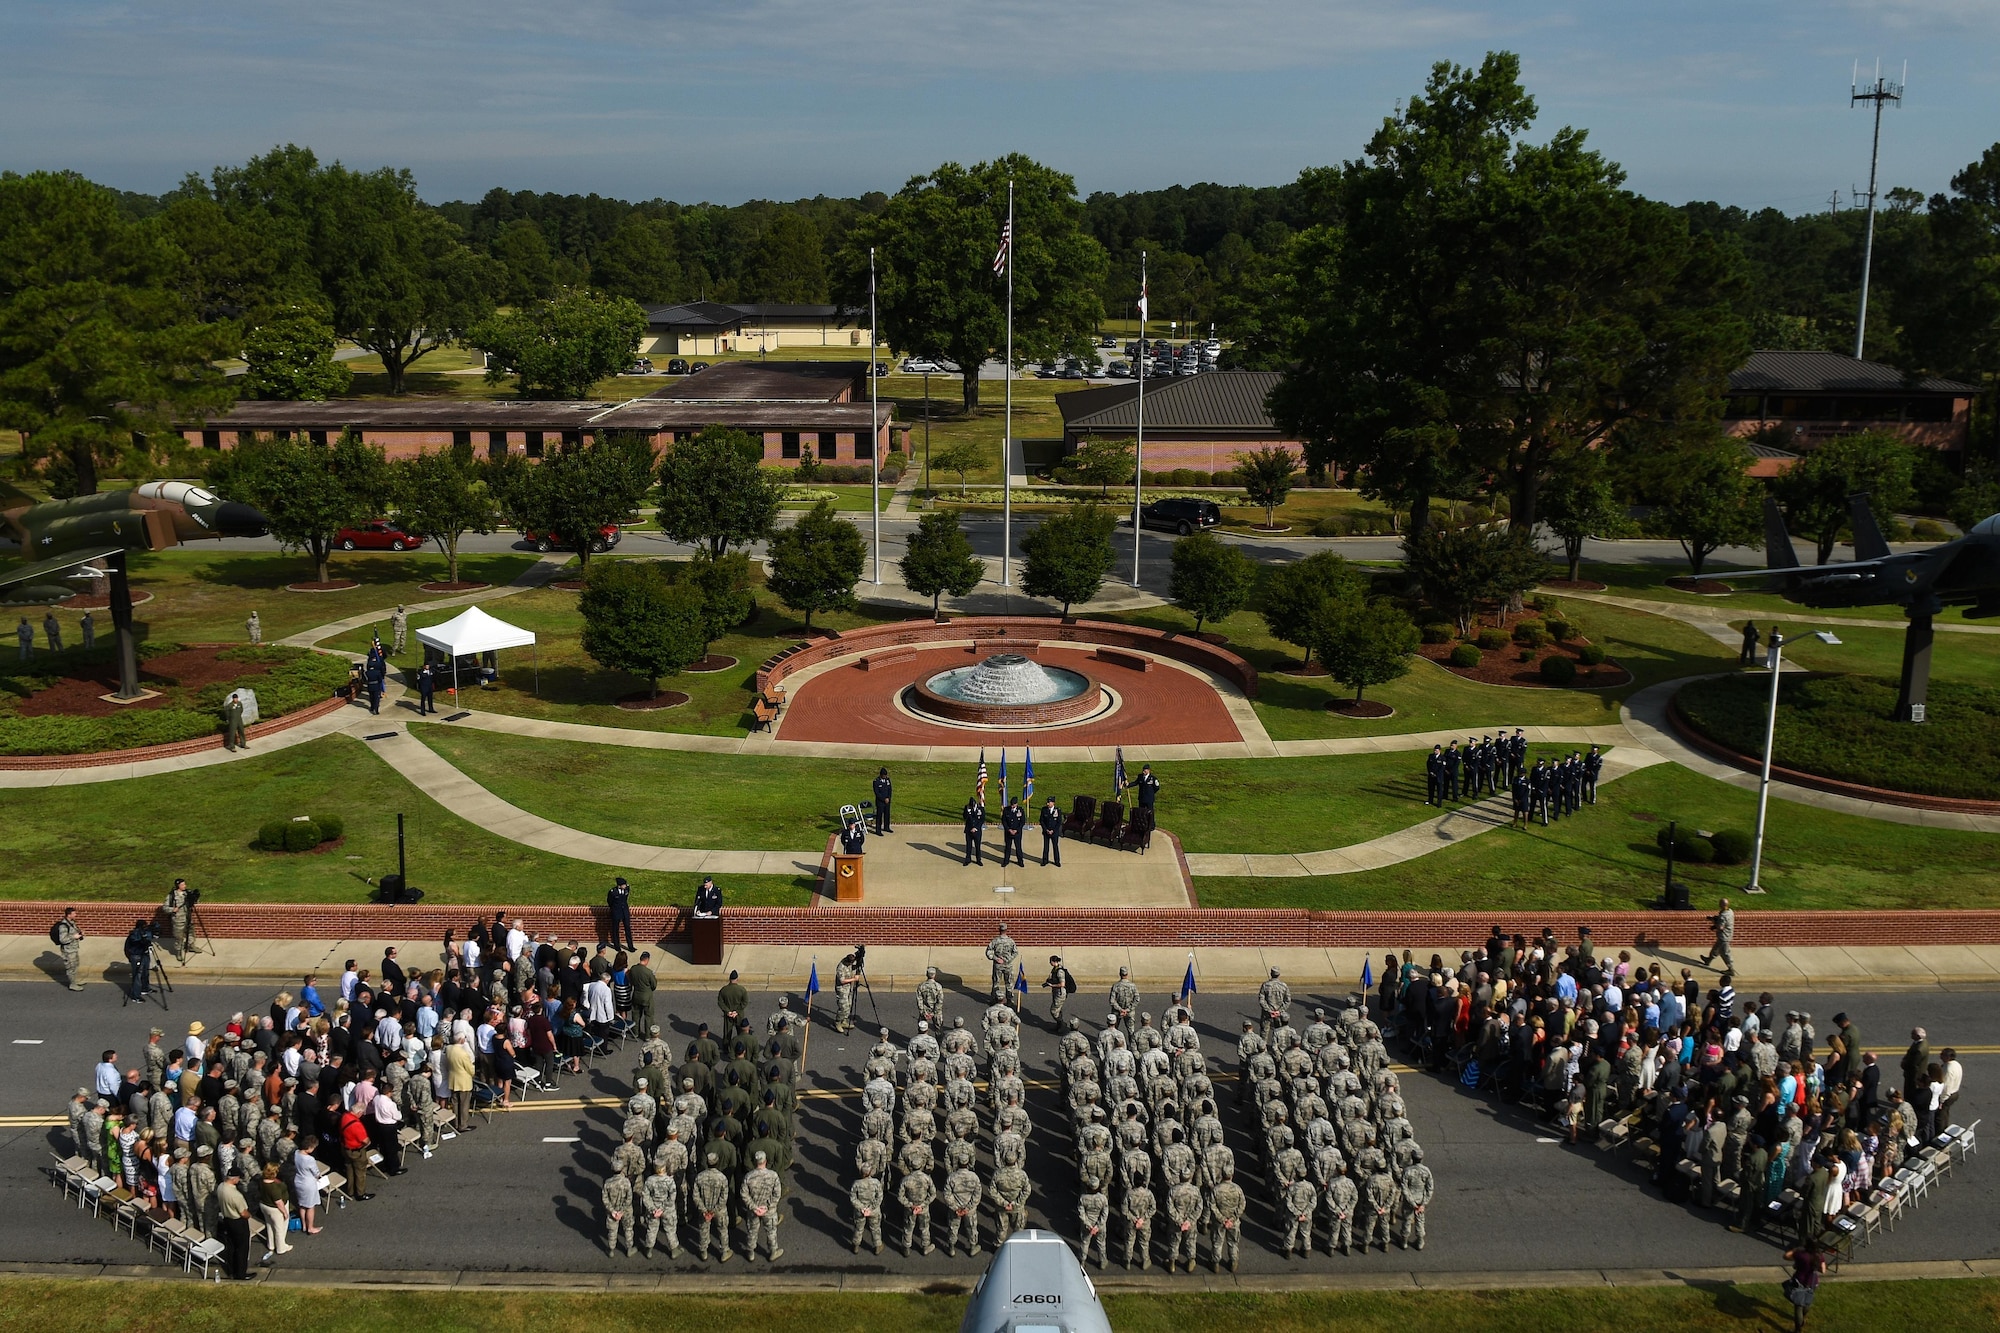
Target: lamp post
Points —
{"points": [[1775, 659], [927, 437]]}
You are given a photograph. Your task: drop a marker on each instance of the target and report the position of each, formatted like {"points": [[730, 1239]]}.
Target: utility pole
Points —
{"points": [[1882, 93]]}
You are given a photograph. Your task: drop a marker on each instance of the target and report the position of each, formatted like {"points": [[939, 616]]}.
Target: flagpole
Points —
{"points": [[1139, 451], [874, 428], [1007, 431]]}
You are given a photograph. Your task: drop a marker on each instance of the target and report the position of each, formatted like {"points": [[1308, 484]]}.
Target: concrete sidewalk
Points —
{"points": [[1159, 972]]}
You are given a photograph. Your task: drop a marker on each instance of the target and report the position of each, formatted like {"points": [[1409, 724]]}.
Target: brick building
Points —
{"points": [[1197, 421], [710, 328], [1795, 400]]}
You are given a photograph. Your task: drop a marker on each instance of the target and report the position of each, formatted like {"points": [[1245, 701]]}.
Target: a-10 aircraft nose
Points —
{"points": [[240, 520]]}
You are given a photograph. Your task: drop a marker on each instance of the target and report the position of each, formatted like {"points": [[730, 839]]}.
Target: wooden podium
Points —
{"points": [[847, 877], [705, 940]]}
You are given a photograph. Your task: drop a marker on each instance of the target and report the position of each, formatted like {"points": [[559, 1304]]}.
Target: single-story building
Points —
{"points": [[794, 406], [710, 328], [1815, 396], [1197, 421]]}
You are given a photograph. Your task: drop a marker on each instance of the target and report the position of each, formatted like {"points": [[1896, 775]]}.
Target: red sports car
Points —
{"points": [[381, 535]]}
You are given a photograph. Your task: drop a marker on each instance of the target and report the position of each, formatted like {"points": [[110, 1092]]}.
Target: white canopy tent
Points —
{"points": [[472, 632]]}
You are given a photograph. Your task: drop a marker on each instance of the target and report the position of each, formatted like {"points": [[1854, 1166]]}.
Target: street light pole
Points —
{"points": [[874, 433], [1776, 659], [927, 436]]}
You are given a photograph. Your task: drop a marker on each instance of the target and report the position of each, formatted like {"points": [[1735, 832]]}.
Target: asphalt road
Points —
{"points": [[521, 1193]]}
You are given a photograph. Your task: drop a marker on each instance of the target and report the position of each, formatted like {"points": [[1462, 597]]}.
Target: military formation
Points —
{"points": [[1548, 789], [707, 1145]]}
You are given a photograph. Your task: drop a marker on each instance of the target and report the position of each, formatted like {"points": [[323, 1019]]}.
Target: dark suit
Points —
{"points": [[884, 790], [1052, 831], [975, 832], [1013, 824]]}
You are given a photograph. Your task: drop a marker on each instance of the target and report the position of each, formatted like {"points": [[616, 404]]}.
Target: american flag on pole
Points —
{"points": [[1028, 779], [1142, 296], [979, 786], [1118, 775], [1006, 244], [1003, 775]]}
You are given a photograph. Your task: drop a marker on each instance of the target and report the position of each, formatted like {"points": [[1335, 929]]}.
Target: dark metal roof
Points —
{"points": [[1833, 372], [693, 315], [778, 310], [656, 414], [1223, 400], [406, 414], [770, 382]]}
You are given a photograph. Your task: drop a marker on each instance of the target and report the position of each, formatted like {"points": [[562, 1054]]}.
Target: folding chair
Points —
{"points": [[94, 1191], [1961, 1139], [206, 1252], [527, 1079], [335, 1186], [484, 1098], [166, 1236], [127, 1216], [68, 1175], [1938, 1159]]}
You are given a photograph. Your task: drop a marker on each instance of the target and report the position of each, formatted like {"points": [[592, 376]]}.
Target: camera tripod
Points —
{"points": [[861, 966], [156, 977]]}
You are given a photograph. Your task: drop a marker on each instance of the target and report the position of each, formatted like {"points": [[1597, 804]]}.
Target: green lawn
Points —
{"points": [[1605, 859], [129, 839], [704, 800], [848, 498], [204, 596], [60, 1305], [1650, 582]]}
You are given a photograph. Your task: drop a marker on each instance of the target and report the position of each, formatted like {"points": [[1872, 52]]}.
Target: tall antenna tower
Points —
{"points": [[1882, 93]]}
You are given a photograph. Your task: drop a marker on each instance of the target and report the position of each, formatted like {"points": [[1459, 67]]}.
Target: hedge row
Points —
{"points": [[1840, 727]]}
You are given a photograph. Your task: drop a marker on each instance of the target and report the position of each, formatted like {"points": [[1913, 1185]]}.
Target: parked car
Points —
{"points": [[1119, 370], [677, 367], [1181, 515], [882, 368], [381, 535], [607, 537], [921, 365], [697, 366], [642, 366], [1107, 341]]}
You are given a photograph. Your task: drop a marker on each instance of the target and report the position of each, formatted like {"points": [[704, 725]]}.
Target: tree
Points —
{"points": [[395, 273], [636, 620], [1267, 478], [787, 264], [957, 456], [1458, 568], [1365, 643], [726, 599], [308, 491], [1979, 498], [1814, 490], [98, 341], [1474, 303], [289, 357], [1211, 579], [816, 562], [576, 492], [1950, 312], [443, 496], [1295, 595], [527, 269], [937, 293], [562, 347], [941, 560], [639, 262], [1068, 555], [1707, 500], [715, 493], [1580, 502], [1103, 463]]}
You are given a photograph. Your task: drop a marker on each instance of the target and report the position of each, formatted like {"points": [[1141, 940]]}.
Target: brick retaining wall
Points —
{"points": [[255, 731], [1057, 928], [998, 629]]}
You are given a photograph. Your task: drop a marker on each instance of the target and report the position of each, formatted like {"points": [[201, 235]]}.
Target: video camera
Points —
{"points": [[861, 957]]}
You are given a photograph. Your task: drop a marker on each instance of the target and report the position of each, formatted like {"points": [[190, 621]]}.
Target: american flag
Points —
{"points": [[1118, 775], [1006, 244], [1028, 780], [1142, 296], [979, 787], [1003, 775]]}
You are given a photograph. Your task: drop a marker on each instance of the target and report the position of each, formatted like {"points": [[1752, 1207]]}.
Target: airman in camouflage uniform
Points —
{"points": [[617, 1196], [1184, 1210], [762, 1193], [1417, 1188], [1226, 1205], [709, 1203], [1379, 1196], [1137, 1210], [916, 1193], [961, 1194], [1093, 1215], [930, 1000], [864, 1196]]}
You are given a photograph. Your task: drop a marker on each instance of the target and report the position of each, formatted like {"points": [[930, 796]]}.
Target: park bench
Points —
{"points": [[887, 657], [1119, 657]]}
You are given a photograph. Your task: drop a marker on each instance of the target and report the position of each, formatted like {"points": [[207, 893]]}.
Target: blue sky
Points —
{"points": [[725, 100]]}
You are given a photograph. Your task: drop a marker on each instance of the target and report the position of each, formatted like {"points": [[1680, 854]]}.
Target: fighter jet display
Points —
{"points": [[1034, 1285], [57, 536], [1965, 572]]}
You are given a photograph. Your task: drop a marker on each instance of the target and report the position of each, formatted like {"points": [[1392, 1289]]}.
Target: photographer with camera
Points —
{"points": [[139, 958], [846, 982]]}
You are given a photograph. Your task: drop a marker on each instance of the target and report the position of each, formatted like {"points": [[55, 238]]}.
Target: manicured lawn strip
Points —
{"points": [[1605, 859], [129, 839], [573, 688], [1649, 581], [204, 596], [1972, 658], [1841, 727], [682, 799], [36, 1304]]}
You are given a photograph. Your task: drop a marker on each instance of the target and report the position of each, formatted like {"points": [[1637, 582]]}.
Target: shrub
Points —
{"points": [[1465, 655], [1928, 530], [1591, 654], [1688, 846], [1437, 632], [1558, 670], [1525, 655], [1493, 639], [1180, 476], [1561, 630], [301, 835], [1226, 477], [1545, 604], [1531, 634], [1333, 525], [330, 826], [271, 837], [1732, 846]]}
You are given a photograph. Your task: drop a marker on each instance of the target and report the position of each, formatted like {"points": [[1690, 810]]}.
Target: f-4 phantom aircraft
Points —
{"points": [[57, 536], [1965, 572]]}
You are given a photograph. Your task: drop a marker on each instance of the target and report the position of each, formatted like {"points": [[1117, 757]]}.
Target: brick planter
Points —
{"points": [[256, 731]]}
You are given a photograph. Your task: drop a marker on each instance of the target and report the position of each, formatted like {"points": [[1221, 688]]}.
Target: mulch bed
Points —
{"points": [[453, 587], [713, 662], [1502, 666], [1575, 585], [81, 695], [643, 702], [568, 585], [330, 845], [331, 585], [1308, 669], [1365, 709], [1706, 587], [96, 601]]}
